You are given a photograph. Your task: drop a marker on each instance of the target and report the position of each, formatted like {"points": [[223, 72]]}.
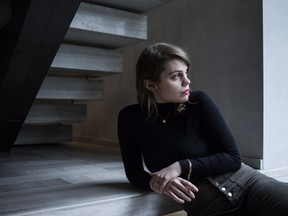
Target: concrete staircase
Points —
{"points": [[90, 50]]}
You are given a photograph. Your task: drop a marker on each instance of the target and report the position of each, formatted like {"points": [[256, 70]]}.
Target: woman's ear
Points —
{"points": [[149, 85]]}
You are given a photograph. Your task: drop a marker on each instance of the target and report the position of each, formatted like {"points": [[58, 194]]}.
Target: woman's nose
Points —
{"points": [[186, 81]]}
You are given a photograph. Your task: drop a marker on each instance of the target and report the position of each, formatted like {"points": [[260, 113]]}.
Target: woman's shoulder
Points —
{"points": [[197, 96], [130, 114], [130, 109]]}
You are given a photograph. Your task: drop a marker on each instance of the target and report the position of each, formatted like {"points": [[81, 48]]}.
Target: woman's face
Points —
{"points": [[174, 83]]}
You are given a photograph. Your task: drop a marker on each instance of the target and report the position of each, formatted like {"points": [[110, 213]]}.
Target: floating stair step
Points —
{"points": [[93, 24], [136, 6], [71, 88], [56, 114], [41, 134], [89, 61]]}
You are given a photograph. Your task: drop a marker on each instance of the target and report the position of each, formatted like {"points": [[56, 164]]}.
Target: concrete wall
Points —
{"points": [[224, 40], [275, 28], [119, 90]]}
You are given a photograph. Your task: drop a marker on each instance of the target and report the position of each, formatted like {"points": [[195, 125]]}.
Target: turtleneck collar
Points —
{"points": [[165, 107]]}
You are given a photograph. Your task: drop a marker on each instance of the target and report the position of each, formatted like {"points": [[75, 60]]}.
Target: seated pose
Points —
{"points": [[188, 149]]}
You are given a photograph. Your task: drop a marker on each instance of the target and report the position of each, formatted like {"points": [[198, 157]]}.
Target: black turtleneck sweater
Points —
{"points": [[199, 133]]}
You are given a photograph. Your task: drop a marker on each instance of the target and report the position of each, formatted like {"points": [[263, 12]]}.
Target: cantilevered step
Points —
{"points": [[86, 61], [41, 134], [56, 114], [93, 24], [136, 6], [70, 88]]}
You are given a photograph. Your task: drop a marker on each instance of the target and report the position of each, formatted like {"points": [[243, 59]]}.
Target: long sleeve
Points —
{"points": [[130, 151], [199, 134], [225, 155]]}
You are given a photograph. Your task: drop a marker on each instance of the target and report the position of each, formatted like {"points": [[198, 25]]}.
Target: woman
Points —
{"points": [[190, 153]]}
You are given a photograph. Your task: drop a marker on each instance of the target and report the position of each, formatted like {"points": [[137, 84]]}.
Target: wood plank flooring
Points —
{"points": [[76, 179], [72, 179]]}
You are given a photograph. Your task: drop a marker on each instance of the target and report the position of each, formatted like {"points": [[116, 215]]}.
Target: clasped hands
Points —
{"points": [[168, 182]]}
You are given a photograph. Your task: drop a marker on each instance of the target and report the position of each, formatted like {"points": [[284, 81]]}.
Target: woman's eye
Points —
{"points": [[175, 76]]}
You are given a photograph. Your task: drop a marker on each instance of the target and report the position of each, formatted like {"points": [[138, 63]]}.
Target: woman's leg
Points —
{"points": [[208, 200], [266, 197]]}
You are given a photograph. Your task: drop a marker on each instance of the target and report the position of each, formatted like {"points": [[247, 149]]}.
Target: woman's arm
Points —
{"points": [[225, 155], [168, 182], [130, 151], [171, 185]]}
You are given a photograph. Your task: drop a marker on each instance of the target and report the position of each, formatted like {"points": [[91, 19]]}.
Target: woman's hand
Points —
{"points": [[160, 179], [180, 190]]}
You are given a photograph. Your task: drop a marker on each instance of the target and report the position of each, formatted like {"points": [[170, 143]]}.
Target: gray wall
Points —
{"points": [[275, 27], [224, 40]]}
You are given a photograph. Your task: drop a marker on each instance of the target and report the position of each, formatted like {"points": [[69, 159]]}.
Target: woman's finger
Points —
{"points": [[188, 184], [173, 196], [178, 195], [176, 198], [182, 191], [184, 195]]}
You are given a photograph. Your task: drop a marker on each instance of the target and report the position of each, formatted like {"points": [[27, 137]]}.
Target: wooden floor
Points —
{"points": [[72, 179], [75, 179]]}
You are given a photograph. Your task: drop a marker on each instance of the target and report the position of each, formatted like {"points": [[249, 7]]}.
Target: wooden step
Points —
{"points": [[56, 114], [36, 134], [136, 6], [85, 200], [86, 61], [73, 179], [71, 88], [106, 27]]}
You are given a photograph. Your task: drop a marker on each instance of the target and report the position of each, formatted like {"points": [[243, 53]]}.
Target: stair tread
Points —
{"points": [[137, 6], [82, 58], [71, 88], [56, 113], [94, 24]]}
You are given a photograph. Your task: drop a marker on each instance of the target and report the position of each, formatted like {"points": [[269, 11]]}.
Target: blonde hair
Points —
{"points": [[149, 66]]}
